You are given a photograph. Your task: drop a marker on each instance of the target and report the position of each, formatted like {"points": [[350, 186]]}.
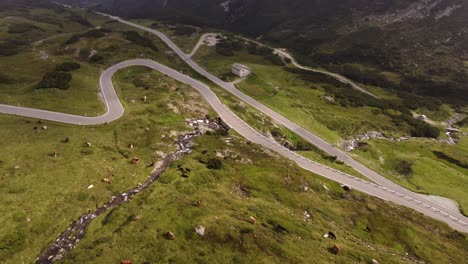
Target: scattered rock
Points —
{"points": [[329, 99], [137, 218], [44, 127], [200, 230], [88, 144], [374, 261], [170, 235], [66, 140], [28, 219], [252, 220], [17, 167], [325, 187], [90, 187]]}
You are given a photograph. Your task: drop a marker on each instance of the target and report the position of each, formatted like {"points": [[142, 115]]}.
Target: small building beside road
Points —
{"points": [[241, 70]]}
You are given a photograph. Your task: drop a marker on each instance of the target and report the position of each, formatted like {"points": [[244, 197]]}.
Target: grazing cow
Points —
{"points": [[170, 235], [336, 249], [105, 180], [331, 235], [135, 160]]}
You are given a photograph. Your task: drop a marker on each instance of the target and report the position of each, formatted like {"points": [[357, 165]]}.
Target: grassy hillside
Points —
{"points": [[42, 193], [349, 114], [289, 222], [424, 43]]}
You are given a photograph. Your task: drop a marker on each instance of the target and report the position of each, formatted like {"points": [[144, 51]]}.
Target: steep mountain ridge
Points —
{"points": [[424, 42]]}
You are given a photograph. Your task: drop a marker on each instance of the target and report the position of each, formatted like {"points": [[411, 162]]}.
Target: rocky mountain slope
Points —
{"points": [[423, 44]]}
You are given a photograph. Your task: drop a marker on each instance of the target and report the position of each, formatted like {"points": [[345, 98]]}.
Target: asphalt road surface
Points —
{"points": [[382, 188]]}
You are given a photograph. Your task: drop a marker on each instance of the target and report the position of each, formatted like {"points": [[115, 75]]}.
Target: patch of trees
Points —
{"points": [[363, 75], [44, 19], [55, 79], [73, 39], [4, 79], [450, 90], [452, 160], [59, 78], [227, 47], [93, 33], [96, 58], [8, 49], [316, 77], [348, 97], [11, 46], [266, 53], [19, 28], [140, 40], [80, 20], [183, 30]]}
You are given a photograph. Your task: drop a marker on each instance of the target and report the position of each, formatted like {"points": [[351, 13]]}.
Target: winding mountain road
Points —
{"points": [[382, 188], [283, 53]]}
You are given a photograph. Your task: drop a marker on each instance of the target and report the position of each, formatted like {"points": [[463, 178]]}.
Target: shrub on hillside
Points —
{"points": [[138, 39], [7, 49], [80, 20], [67, 66], [96, 58], [184, 30], [20, 28], [55, 79], [73, 39], [228, 47], [214, 164], [446, 157], [425, 130], [5, 79], [404, 167], [93, 33]]}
